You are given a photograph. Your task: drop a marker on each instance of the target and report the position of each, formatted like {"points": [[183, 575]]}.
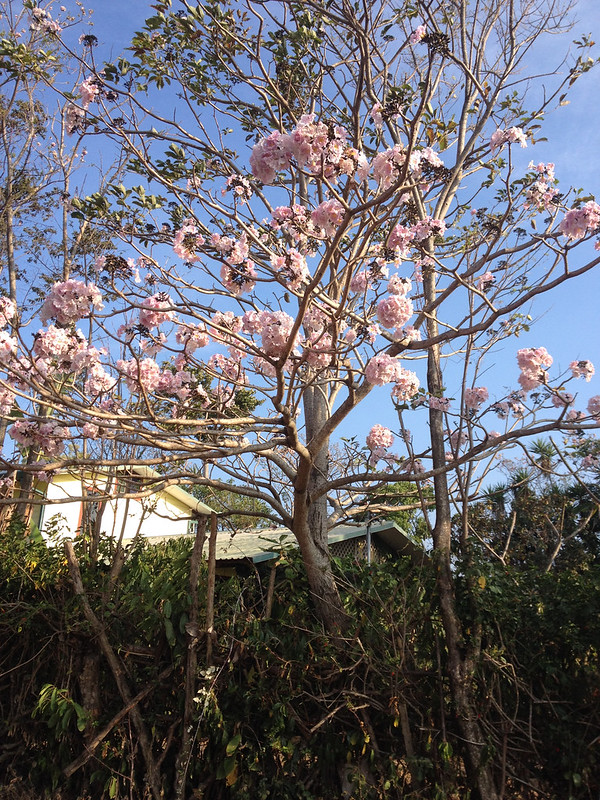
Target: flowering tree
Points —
{"points": [[338, 202]]}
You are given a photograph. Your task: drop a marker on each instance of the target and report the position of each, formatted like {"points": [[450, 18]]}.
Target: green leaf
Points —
{"points": [[233, 744]]}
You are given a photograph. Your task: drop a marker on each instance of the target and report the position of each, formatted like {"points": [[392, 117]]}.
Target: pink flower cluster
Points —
{"points": [[8, 311], [582, 369], [439, 403], [63, 350], [7, 399], [593, 406], [291, 269], [8, 347], [74, 119], [295, 221], [319, 148], [485, 281], [382, 369], [393, 165], [192, 337], [579, 221], [99, 381], [88, 90], [70, 301], [43, 22], [156, 310], [418, 34], [240, 186], [49, 436], [532, 362], [145, 374], [406, 386], [274, 328], [328, 216], [475, 396], [237, 273], [541, 194], [318, 344], [394, 311], [187, 241], [507, 136], [378, 440]]}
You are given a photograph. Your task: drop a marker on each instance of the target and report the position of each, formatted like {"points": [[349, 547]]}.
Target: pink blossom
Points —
{"points": [[376, 115], [239, 279], [7, 400], [48, 436], [400, 239], [593, 406], [276, 332], [240, 186], [427, 227], [510, 135], [99, 381], [43, 22], [88, 91], [187, 240], [418, 34], [156, 310], [192, 337], [70, 301], [90, 430], [270, 156], [383, 369], [74, 119], [485, 281], [224, 321], [532, 362], [562, 399], [328, 216], [579, 221], [144, 373], [439, 403], [378, 441], [399, 286], [294, 220], [406, 386], [394, 311], [582, 369], [475, 396], [8, 311], [291, 269]]}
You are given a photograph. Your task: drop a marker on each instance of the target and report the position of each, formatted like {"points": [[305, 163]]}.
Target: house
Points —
{"points": [[365, 542], [128, 502]]}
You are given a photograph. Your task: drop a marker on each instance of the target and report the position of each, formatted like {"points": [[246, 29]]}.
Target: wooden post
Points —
{"points": [[210, 588]]}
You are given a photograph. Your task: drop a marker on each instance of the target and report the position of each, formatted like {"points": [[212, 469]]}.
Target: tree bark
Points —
{"points": [[460, 662], [310, 518]]}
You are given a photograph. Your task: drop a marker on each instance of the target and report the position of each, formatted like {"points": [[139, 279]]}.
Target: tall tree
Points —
{"points": [[383, 140]]}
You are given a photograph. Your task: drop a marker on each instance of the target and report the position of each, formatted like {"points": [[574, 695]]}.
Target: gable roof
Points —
{"points": [[261, 545]]}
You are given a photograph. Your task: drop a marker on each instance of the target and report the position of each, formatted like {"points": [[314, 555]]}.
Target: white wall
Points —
{"points": [[157, 515]]}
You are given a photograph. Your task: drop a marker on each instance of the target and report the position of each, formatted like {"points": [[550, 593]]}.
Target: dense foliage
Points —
{"points": [[284, 711]]}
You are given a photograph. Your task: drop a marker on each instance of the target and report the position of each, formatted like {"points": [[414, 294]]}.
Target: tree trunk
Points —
{"points": [[460, 661], [310, 518]]}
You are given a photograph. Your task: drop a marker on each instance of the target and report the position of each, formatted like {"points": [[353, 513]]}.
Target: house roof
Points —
{"points": [[264, 544]]}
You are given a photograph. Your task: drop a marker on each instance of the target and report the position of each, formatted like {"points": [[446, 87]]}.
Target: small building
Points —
{"points": [[128, 502], [364, 543]]}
